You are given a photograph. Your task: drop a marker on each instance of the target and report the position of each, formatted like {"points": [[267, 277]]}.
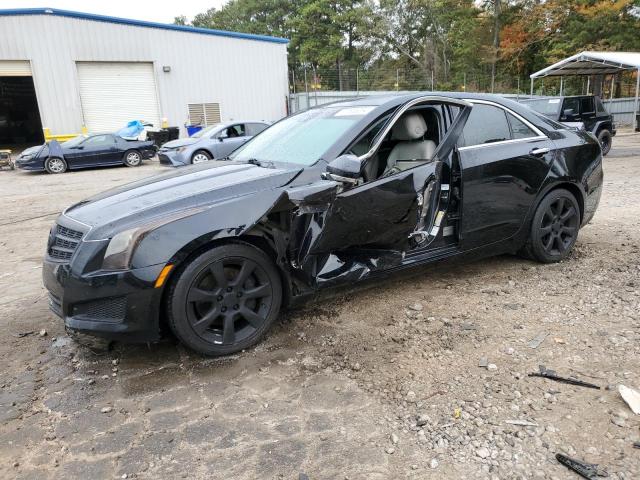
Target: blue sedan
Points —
{"points": [[85, 151]]}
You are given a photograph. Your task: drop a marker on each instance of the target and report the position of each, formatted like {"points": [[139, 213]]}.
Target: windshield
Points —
{"points": [[205, 131], [302, 138], [74, 141], [547, 106]]}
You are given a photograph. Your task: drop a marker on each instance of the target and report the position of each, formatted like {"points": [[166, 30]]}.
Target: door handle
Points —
{"points": [[538, 152]]}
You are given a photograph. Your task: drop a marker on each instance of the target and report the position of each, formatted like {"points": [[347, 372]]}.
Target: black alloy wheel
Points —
{"points": [[225, 299], [555, 227], [605, 139]]}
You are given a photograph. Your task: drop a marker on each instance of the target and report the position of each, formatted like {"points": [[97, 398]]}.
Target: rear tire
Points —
{"points": [[200, 156], [554, 228], [55, 165], [605, 139], [224, 300], [132, 158]]}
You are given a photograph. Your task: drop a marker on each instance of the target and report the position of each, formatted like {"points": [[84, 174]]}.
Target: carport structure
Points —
{"points": [[594, 63]]}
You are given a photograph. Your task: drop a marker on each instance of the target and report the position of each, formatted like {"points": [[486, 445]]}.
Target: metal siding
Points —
{"points": [[114, 93], [248, 78], [15, 68]]}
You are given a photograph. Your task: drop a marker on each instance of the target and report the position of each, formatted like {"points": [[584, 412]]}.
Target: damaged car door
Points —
{"points": [[398, 210]]}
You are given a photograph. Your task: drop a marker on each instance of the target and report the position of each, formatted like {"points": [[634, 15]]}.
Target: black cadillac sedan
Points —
{"points": [[328, 197], [85, 151]]}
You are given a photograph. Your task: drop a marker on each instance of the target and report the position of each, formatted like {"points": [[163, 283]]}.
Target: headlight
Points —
{"points": [[121, 247], [29, 156], [181, 149]]}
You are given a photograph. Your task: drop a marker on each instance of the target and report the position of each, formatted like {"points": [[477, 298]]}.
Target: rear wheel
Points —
{"points": [[224, 300], [200, 156], [132, 158], [555, 226], [605, 139], [55, 165]]}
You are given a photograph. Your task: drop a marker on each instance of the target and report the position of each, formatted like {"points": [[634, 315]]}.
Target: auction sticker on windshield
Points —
{"points": [[353, 111]]}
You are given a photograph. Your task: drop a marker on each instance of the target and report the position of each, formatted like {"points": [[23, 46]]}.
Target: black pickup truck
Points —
{"points": [[582, 111]]}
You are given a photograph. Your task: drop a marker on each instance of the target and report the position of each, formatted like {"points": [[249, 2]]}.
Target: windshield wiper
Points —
{"points": [[260, 163]]}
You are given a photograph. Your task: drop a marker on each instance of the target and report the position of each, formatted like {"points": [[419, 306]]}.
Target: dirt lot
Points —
{"points": [[384, 383]]}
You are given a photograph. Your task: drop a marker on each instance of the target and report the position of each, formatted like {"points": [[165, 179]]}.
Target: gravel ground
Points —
{"points": [[382, 383]]}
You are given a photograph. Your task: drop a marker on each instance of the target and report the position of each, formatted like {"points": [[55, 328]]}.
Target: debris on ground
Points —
{"points": [[43, 333], [589, 471], [536, 341], [551, 375], [632, 397], [521, 423], [23, 334]]}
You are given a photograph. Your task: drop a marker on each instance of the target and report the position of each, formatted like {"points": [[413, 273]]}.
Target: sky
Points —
{"points": [[163, 11]]}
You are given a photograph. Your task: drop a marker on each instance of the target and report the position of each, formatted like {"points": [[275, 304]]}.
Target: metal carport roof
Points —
{"points": [[595, 63], [592, 63]]}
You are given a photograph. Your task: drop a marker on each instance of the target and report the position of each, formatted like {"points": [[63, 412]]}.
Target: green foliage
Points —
{"points": [[405, 43]]}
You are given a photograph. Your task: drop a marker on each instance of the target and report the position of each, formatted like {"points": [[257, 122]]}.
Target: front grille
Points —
{"points": [[63, 242], [106, 309]]}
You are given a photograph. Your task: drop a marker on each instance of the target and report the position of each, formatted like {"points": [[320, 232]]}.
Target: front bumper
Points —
{"points": [[172, 158], [33, 164], [121, 306]]}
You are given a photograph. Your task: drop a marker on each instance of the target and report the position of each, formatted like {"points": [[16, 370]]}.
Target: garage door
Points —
{"points": [[113, 94], [15, 68]]}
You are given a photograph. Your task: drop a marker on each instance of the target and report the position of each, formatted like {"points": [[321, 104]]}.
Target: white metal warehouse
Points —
{"points": [[65, 71]]}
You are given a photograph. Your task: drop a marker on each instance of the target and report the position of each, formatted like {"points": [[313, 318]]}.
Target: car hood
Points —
{"points": [[31, 150], [183, 189], [181, 142]]}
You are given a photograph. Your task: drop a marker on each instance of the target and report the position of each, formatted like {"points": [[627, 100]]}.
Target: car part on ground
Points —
{"points": [[5, 160], [590, 471], [500, 177]]}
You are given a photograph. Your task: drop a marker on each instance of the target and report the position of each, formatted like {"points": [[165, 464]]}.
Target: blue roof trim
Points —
{"points": [[139, 23]]}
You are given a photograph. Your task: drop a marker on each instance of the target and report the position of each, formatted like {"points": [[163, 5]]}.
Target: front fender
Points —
{"points": [[231, 218]]}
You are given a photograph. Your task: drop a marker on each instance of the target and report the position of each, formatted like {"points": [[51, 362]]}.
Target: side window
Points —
{"points": [[237, 130], [486, 124], [600, 107], [364, 143], [586, 106], [570, 104], [255, 128], [519, 129], [99, 141]]}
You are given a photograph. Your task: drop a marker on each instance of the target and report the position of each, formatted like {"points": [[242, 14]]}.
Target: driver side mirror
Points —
{"points": [[568, 113], [345, 169]]}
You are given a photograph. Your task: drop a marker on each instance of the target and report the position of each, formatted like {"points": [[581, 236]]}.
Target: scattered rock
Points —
{"points": [[483, 452], [106, 409], [434, 463]]}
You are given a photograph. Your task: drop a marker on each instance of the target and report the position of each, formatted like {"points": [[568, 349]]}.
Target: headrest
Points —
{"points": [[410, 126]]}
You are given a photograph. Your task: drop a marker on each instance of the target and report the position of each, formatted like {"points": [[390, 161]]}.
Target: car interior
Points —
{"points": [[412, 141]]}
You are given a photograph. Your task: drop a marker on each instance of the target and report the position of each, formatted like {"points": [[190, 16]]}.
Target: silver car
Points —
{"points": [[213, 142]]}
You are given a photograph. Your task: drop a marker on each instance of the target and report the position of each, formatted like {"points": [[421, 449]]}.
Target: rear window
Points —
{"points": [[547, 106]]}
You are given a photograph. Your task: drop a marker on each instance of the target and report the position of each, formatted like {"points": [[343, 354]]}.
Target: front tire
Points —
{"points": [[132, 158], [224, 300], [55, 165], [554, 229], [200, 156], [605, 139]]}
